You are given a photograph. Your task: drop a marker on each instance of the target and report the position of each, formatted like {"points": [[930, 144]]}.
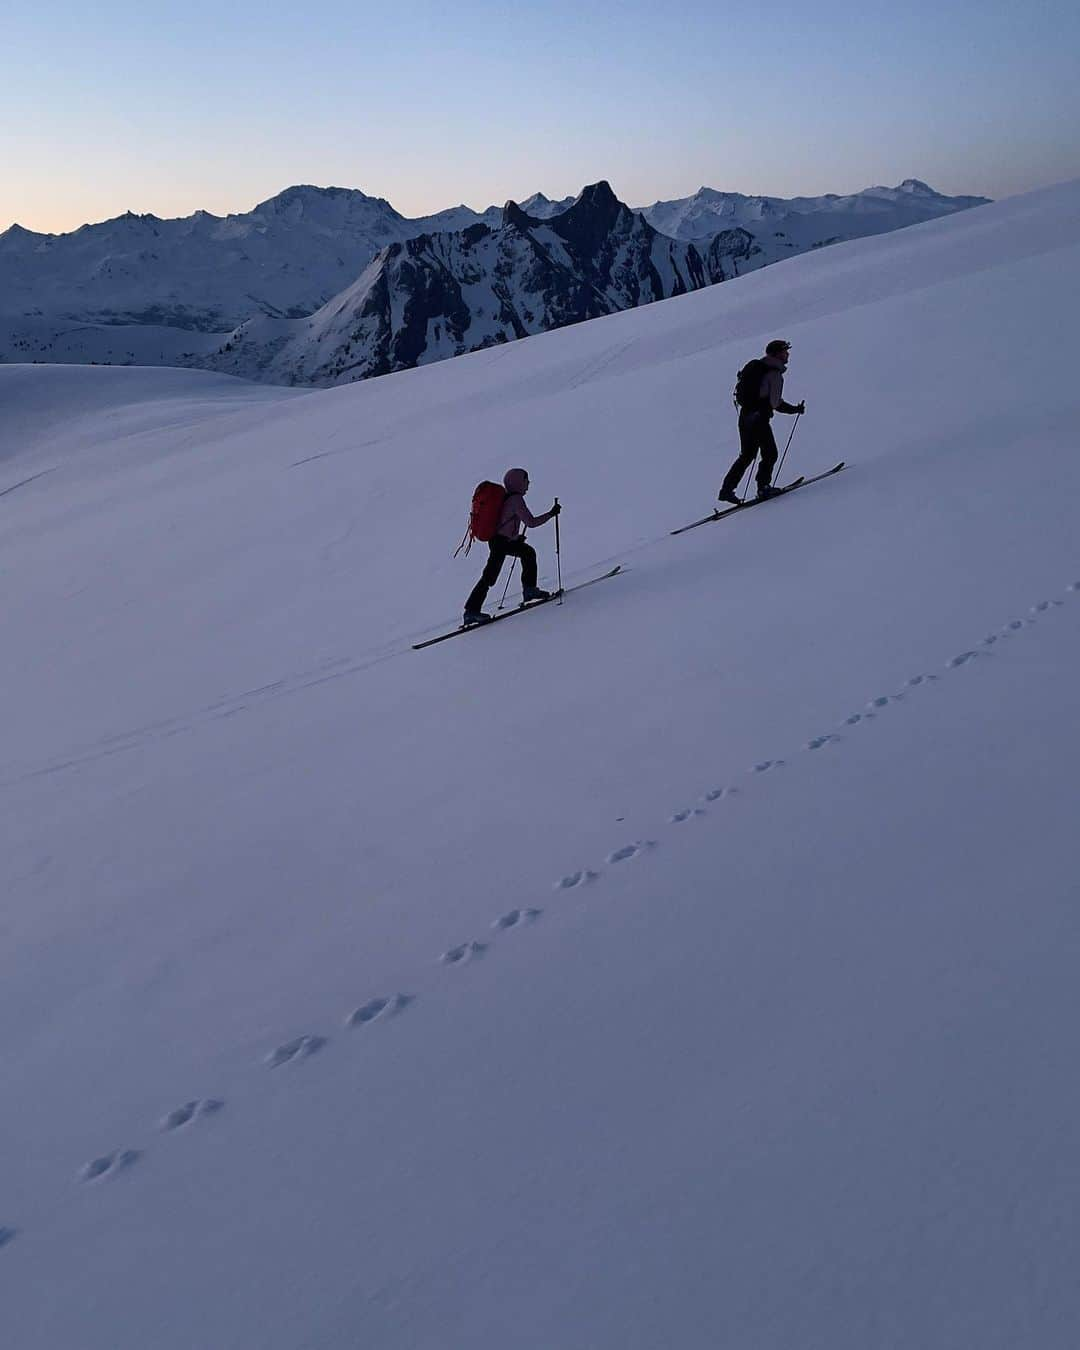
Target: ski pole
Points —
{"points": [[558, 554], [794, 424], [749, 476], [509, 576]]}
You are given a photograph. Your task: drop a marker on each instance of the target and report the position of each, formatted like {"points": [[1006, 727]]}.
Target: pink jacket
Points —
{"points": [[515, 515]]}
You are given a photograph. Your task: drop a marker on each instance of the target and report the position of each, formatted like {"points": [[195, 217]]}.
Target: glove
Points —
{"points": [[800, 408], [556, 509]]}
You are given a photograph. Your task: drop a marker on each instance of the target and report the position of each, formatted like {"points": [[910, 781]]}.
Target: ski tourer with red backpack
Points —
{"points": [[758, 394], [498, 518]]}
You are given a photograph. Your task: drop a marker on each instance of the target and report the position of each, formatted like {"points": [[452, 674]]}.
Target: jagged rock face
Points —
{"points": [[445, 294]]}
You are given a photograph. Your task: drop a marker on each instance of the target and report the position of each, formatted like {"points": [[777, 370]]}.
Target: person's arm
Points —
{"points": [[774, 392], [529, 520]]}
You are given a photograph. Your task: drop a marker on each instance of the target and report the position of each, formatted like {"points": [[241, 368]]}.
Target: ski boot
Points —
{"points": [[766, 491], [728, 495], [529, 593], [472, 617]]}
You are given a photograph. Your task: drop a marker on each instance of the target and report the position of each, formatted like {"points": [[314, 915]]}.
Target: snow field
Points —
{"points": [[729, 1002]]}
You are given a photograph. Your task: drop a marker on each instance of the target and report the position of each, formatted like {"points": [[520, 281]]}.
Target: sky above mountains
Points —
{"points": [[125, 107]]}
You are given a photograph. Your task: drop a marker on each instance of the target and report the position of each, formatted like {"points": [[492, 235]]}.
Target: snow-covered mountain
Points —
{"points": [[445, 294], [202, 272], [801, 223], [141, 290], [206, 273], [689, 965]]}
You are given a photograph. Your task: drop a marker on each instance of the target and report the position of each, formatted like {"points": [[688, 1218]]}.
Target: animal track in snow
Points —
{"points": [[1014, 626], [714, 794], [1044, 605], [7, 1235], [687, 813], [375, 1008], [109, 1164], [303, 1047], [516, 917], [630, 850], [575, 879], [819, 741], [882, 700], [916, 680], [468, 951], [961, 660], [763, 766], [1073, 586], [184, 1115]]}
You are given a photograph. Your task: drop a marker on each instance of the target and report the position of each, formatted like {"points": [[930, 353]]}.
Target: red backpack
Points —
{"points": [[487, 505]]}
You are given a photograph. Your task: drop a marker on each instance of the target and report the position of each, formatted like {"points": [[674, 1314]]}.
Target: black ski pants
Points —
{"points": [[499, 550], [755, 438]]}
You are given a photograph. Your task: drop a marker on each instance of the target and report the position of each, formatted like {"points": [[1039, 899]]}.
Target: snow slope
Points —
{"points": [[690, 965]]}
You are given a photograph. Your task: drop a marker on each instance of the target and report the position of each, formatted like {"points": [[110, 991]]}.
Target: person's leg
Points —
{"points": [[518, 548], [527, 554], [747, 451], [490, 575], [766, 443]]}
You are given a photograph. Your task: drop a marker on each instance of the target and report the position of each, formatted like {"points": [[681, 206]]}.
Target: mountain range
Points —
{"points": [[252, 292], [448, 293]]}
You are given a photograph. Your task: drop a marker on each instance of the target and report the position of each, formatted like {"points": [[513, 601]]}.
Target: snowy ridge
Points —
{"points": [[734, 1006], [140, 290], [447, 294], [806, 222]]}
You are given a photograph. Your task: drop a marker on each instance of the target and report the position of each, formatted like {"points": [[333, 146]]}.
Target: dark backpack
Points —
{"points": [[748, 384]]}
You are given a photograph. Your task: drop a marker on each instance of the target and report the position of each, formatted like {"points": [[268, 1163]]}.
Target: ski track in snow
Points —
{"points": [[109, 1164], [574, 879], [467, 951], [115, 743], [303, 1047], [873, 708], [515, 918], [378, 1008], [184, 1115], [629, 851], [600, 363], [382, 1008]]}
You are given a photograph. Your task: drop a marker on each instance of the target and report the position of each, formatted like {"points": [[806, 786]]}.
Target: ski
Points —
{"points": [[730, 510], [755, 501], [520, 609]]}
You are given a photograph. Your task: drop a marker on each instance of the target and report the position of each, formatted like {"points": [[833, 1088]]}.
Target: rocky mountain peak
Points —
{"points": [[512, 214], [593, 216]]}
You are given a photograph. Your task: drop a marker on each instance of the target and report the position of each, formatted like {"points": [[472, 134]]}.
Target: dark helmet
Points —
{"points": [[778, 347]]}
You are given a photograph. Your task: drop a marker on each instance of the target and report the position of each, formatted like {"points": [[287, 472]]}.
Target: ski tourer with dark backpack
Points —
{"points": [[759, 392]]}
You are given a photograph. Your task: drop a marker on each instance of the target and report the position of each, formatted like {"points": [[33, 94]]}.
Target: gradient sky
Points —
{"points": [[167, 108]]}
